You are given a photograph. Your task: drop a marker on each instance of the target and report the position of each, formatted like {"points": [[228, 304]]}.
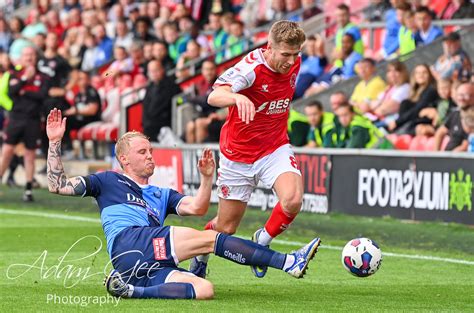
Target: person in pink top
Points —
{"points": [[254, 145]]}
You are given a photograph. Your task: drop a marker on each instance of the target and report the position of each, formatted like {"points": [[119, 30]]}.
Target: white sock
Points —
{"points": [[130, 290], [289, 261], [264, 238], [203, 258]]}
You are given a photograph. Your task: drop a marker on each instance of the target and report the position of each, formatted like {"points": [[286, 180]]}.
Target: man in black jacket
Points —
{"points": [[157, 102], [27, 88]]}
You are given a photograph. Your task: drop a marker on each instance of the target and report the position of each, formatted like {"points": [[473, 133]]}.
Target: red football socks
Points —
{"points": [[278, 221]]}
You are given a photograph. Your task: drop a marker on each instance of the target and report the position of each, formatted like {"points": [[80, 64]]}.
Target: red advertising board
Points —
{"points": [[168, 169]]}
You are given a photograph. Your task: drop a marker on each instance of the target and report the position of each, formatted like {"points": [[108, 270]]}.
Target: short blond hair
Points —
{"points": [[287, 32], [123, 143]]}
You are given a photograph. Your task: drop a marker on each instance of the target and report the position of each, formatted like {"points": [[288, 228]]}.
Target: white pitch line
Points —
{"points": [[282, 242]]}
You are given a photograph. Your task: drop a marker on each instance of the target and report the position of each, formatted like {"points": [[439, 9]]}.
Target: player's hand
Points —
{"points": [[55, 125], [245, 107], [29, 72], [206, 163]]}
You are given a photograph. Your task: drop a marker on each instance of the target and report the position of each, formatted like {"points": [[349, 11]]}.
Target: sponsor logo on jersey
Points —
{"points": [[265, 88], [132, 199], [275, 106], [159, 248], [293, 81]]}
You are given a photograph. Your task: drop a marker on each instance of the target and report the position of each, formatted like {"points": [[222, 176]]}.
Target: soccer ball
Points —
{"points": [[361, 257]]}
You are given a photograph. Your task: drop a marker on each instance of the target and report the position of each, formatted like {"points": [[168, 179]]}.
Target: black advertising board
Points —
{"points": [[418, 188]]}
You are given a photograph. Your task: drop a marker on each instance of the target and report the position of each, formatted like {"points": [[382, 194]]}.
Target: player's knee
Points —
{"points": [[190, 126], [204, 289], [292, 204], [227, 229]]}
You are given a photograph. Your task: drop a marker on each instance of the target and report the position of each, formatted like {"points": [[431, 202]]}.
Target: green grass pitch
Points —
{"points": [[402, 284]]}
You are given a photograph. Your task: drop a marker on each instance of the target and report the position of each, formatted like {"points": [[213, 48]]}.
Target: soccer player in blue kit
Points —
{"points": [[145, 253]]}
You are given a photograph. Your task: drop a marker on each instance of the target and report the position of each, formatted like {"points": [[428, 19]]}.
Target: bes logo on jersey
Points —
{"points": [[275, 106]]}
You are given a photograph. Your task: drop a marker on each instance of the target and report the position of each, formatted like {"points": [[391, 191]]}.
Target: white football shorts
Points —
{"points": [[237, 181]]}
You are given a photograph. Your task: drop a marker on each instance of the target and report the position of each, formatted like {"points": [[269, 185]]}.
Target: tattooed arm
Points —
{"points": [[57, 180]]}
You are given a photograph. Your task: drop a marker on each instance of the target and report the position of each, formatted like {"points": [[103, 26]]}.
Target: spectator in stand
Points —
{"points": [[454, 63], [91, 53], [192, 53], [337, 99], [467, 121], [406, 33], [153, 10], [237, 43], [122, 64], [422, 94], [27, 89], [298, 128], [457, 9], [312, 66], [57, 69], [142, 29], [291, 8], [176, 44], [369, 88], [196, 131], [341, 70], [35, 26], [53, 24], [356, 131], [86, 108], [345, 26], [6, 37], [427, 32], [201, 39], [432, 117], [157, 102], [148, 51], [321, 126], [74, 48], [310, 9], [393, 21], [138, 59], [160, 53], [387, 105], [453, 127], [105, 46], [123, 37], [376, 11], [219, 38]]}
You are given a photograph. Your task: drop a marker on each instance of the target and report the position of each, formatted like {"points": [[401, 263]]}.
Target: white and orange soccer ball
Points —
{"points": [[361, 257]]}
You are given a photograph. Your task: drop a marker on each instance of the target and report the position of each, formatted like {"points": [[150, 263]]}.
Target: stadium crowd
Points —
{"points": [[82, 56]]}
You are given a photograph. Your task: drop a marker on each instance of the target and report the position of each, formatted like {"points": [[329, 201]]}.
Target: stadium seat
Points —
{"points": [[403, 142]]}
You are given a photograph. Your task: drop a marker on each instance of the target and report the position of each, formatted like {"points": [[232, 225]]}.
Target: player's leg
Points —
{"points": [[162, 283], [235, 184], [7, 155], [279, 170], [31, 137], [189, 242]]}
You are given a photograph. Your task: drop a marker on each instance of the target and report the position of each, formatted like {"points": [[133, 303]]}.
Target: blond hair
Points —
{"points": [[123, 143], [287, 32]]}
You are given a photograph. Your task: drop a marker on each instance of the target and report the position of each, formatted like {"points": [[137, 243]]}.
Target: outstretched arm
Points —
{"points": [[199, 204], [57, 179]]}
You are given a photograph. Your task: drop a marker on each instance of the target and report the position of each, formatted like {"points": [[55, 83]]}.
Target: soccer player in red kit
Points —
{"points": [[254, 144]]}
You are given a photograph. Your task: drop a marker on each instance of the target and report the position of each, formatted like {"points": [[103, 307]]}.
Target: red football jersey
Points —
{"points": [[271, 92]]}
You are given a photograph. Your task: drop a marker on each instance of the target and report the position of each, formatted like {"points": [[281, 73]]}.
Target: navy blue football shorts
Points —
{"points": [[145, 256]]}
